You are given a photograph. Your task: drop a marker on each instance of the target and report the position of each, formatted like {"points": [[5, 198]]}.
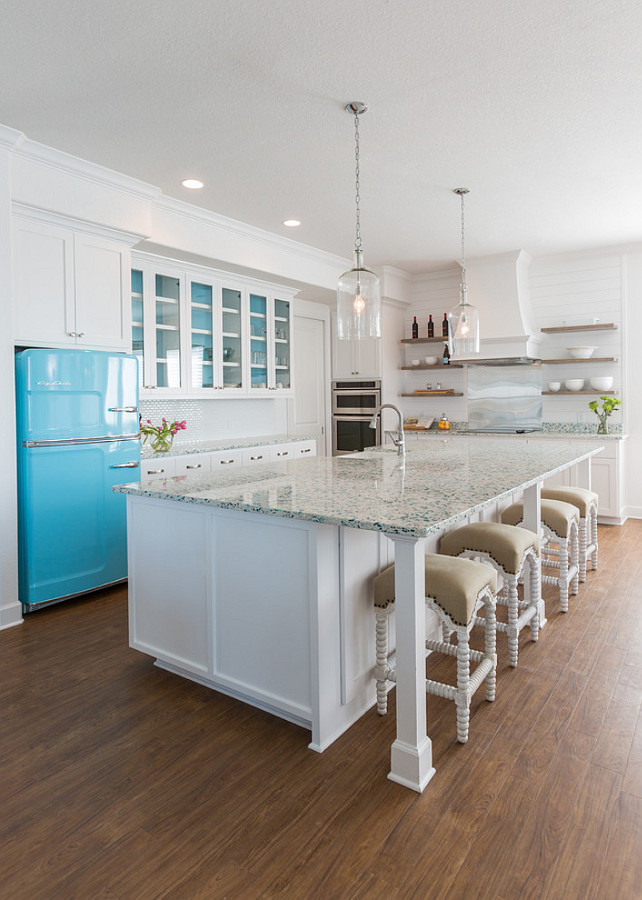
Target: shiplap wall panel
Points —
{"points": [[574, 291]]}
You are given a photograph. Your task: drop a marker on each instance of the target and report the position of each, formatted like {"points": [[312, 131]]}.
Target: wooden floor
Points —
{"points": [[120, 780]]}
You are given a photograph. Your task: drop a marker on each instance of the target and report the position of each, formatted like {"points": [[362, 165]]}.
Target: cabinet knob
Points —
{"points": [[72, 334], [80, 334]]}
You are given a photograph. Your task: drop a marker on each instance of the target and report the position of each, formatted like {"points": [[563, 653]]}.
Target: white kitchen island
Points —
{"points": [[257, 582]]}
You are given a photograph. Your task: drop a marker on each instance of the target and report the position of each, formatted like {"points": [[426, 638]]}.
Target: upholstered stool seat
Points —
{"points": [[586, 501], [454, 589], [559, 522], [510, 551]]}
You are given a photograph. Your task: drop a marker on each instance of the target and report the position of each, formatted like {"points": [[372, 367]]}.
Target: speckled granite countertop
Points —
{"points": [[440, 484], [184, 448], [533, 435]]}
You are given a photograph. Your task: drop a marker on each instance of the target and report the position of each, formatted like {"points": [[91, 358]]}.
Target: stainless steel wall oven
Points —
{"points": [[353, 405]]}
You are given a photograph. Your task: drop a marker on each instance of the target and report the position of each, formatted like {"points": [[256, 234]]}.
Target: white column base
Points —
{"points": [[411, 766]]}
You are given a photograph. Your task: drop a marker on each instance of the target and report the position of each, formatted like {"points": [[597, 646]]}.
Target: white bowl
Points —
{"points": [[431, 360], [554, 385], [415, 362], [603, 383], [574, 384], [581, 352]]}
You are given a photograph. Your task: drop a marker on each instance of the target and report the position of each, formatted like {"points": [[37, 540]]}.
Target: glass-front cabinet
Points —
{"points": [[200, 332], [282, 344], [232, 347]]}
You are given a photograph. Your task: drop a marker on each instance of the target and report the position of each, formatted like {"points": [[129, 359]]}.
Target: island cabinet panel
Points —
{"points": [[169, 612], [261, 573], [256, 607]]}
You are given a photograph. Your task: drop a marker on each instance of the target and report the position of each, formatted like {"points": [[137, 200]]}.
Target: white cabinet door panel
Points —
{"points": [[102, 316], [43, 284]]}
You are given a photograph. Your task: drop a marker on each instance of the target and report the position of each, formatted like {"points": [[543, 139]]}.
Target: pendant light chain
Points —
{"points": [[357, 242], [462, 192]]}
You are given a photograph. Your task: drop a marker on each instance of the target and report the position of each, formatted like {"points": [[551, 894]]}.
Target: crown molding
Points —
{"points": [[82, 168], [10, 139], [234, 226], [39, 214]]}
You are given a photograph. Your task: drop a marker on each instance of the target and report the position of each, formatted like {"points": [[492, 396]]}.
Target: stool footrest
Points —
{"points": [[451, 649]]}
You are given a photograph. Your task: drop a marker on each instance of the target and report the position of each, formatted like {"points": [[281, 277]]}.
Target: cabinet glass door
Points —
{"points": [[138, 328], [258, 342], [282, 371], [232, 331], [168, 335], [202, 350]]}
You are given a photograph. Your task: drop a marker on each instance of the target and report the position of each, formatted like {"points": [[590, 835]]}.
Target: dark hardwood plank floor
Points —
{"points": [[120, 780]]}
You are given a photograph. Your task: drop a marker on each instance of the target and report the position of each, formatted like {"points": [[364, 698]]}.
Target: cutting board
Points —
{"points": [[441, 391]]}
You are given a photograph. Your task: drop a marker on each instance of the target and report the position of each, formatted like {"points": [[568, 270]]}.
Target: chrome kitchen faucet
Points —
{"points": [[400, 440]]}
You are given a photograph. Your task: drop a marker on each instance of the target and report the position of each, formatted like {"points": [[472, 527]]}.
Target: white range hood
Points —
{"points": [[498, 287]]}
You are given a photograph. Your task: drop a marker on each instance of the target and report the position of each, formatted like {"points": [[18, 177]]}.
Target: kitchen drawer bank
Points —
{"points": [[200, 461]]}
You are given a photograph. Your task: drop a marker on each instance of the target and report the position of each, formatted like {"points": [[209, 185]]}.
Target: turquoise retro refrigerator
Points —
{"points": [[78, 436]]}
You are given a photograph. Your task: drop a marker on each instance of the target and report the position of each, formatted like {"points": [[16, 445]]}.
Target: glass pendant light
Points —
{"points": [[463, 319], [358, 292]]}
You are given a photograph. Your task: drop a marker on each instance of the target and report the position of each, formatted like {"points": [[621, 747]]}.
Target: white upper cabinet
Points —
{"points": [[351, 359], [202, 333], [69, 286]]}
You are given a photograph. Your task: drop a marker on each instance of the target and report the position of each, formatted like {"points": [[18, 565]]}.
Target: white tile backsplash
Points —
{"points": [[211, 420]]}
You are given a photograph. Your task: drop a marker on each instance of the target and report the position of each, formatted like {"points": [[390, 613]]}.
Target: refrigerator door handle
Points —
{"points": [[72, 442], [129, 465], [130, 409]]}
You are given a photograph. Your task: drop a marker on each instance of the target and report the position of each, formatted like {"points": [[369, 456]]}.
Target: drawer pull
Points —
{"points": [[254, 458], [283, 453], [155, 471], [226, 462], [193, 467], [307, 451], [129, 465]]}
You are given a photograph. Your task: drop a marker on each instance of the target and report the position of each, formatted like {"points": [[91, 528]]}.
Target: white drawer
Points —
{"points": [[159, 467], [282, 452], [305, 448], [225, 458], [193, 464], [254, 455]]}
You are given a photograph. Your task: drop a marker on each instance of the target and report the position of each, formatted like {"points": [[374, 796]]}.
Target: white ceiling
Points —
{"points": [[534, 106]]}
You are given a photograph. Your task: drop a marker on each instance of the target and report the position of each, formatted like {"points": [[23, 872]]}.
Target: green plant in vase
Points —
{"points": [[160, 436], [609, 405]]}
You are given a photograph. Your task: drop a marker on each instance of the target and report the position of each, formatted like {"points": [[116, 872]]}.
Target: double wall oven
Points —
{"points": [[353, 405]]}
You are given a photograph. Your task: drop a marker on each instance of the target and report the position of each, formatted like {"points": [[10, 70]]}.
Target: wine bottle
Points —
{"points": [[431, 327], [446, 359], [415, 328], [444, 325]]}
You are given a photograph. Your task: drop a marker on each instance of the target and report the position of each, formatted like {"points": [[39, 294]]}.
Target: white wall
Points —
{"points": [[10, 609], [633, 383], [574, 289]]}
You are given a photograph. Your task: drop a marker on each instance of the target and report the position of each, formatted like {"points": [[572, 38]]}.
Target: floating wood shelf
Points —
{"points": [[426, 340], [435, 393], [575, 359], [561, 329], [575, 393], [438, 366]]}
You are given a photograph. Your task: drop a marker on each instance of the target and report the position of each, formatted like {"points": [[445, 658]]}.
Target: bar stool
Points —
{"points": [[586, 501], [559, 523], [455, 589], [509, 551]]}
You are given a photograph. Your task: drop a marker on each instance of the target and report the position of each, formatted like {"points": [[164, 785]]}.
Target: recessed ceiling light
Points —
{"points": [[192, 183], [291, 223]]}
